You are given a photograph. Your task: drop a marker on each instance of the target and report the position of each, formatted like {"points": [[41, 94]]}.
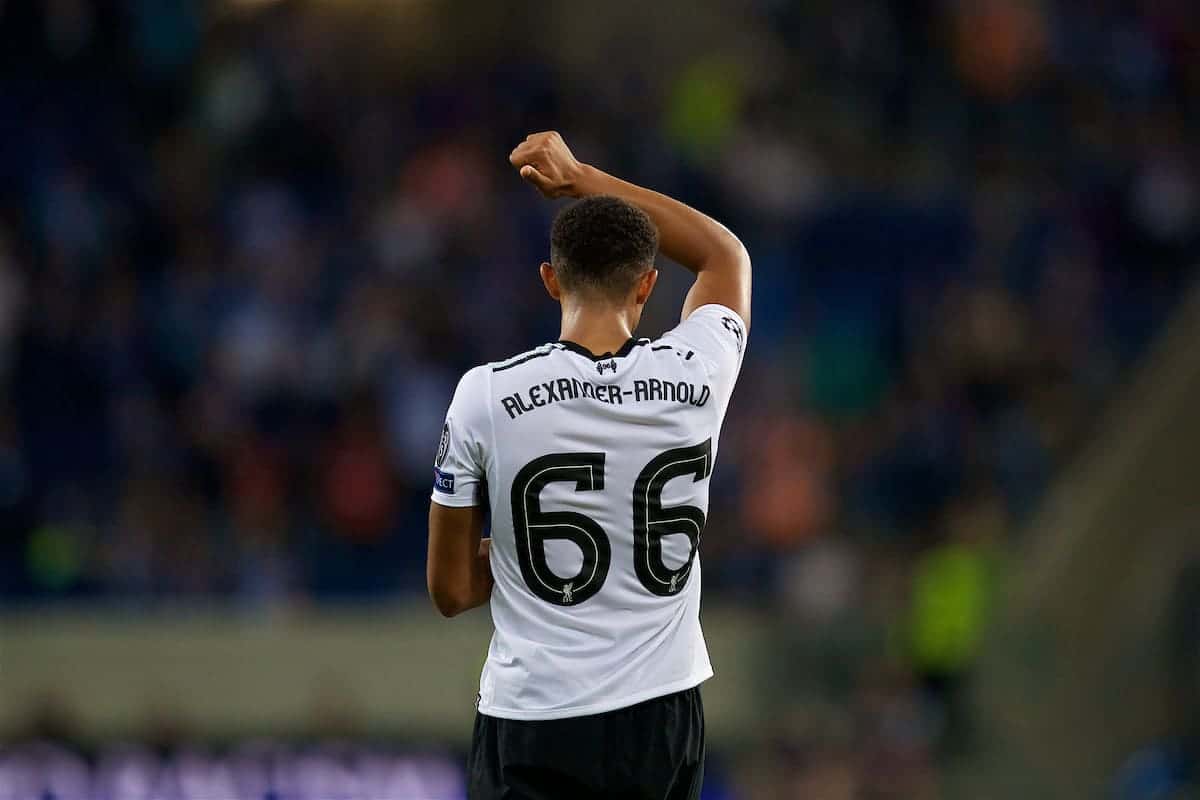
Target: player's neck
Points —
{"points": [[599, 329]]}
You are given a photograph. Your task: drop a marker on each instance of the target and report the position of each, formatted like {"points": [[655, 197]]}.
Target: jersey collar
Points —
{"points": [[574, 347]]}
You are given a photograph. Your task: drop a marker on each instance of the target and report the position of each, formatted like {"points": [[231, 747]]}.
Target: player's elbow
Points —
{"points": [[740, 253], [447, 598], [733, 252], [447, 605]]}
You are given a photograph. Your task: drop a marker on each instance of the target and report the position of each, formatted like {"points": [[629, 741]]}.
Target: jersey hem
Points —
{"points": [[452, 502], [599, 708]]}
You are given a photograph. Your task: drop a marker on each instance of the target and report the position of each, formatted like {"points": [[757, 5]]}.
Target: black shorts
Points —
{"points": [[651, 751]]}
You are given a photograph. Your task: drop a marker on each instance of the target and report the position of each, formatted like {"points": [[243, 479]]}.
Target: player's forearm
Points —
{"points": [[694, 240], [458, 579], [479, 589]]}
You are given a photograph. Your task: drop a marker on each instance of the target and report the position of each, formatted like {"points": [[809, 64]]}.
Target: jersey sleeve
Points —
{"points": [[716, 335], [459, 468]]}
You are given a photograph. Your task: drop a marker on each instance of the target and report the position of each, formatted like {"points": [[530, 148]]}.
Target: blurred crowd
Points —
{"points": [[246, 254], [253, 771], [259, 769]]}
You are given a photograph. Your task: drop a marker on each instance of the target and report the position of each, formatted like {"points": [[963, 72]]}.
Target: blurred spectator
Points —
{"points": [[1170, 766], [952, 589], [359, 491]]}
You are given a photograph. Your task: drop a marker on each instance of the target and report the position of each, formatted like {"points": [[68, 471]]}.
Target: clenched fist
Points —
{"points": [[545, 161]]}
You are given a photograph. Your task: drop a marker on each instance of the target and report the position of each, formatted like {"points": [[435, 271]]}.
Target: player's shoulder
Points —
{"points": [[470, 396], [713, 316], [476, 376], [521, 359], [674, 349], [712, 330]]}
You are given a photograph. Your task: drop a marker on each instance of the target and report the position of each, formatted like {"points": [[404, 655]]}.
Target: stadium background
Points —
{"points": [[246, 249]]}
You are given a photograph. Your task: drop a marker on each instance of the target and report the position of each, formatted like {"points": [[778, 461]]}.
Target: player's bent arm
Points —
{"points": [[458, 570], [692, 239]]}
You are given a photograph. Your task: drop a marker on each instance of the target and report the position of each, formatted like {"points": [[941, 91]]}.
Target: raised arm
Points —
{"points": [[694, 240]]}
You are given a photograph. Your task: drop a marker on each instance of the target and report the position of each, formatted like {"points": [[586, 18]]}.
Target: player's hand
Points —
{"points": [[545, 161]]}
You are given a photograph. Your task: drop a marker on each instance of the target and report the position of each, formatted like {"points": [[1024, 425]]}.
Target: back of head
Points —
{"points": [[600, 246]]}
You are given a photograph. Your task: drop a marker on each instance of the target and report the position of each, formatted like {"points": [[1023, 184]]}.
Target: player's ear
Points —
{"points": [[550, 281], [645, 286]]}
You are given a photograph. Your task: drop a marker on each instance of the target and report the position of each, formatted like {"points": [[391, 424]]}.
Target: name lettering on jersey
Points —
{"points": [[563, 389]]}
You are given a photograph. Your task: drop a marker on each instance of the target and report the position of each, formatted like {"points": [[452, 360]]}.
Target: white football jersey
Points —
{"points": [[596, 471]]}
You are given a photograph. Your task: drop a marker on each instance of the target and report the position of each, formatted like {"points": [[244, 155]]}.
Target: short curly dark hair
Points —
{"points": [[602, 244]]}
